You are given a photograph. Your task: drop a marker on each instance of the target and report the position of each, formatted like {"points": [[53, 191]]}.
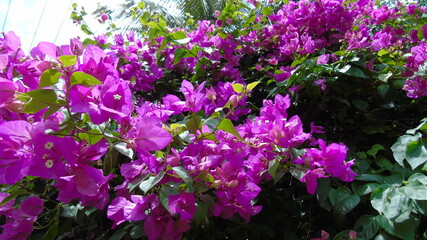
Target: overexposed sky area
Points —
{"points": [[55, 23]]}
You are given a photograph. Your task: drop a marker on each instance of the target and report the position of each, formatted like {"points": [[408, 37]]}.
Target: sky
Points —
{"points": [[55, 23]]}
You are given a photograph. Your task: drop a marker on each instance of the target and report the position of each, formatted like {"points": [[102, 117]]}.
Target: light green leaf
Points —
{"points": [[179, 35], [91, 138], [68, 60], [252, 85], [416, 153], [382, 52], [238, 88], [227, 125], [49, 77], [81, 78]]}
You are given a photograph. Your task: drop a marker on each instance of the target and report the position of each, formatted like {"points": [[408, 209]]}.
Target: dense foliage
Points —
{"points": [[278, 120]]}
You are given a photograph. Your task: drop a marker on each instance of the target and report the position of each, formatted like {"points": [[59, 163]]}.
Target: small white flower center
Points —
{"points": [[48, 145], [49, 163], [117, 97]]}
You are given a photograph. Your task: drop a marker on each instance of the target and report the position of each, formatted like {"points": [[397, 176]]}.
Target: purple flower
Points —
{"points": [[310, 179], [415, 87], [182, 204], [119, 210], [194, 99], [323, 59], [161, 225], [321, 83], [16, 150], [149, 135], [19, 222]]}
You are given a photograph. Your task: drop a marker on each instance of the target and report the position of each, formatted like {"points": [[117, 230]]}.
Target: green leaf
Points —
{"points": [[179, 54], [388, 201], [179, 35], [182, 173], [40, 99], [201, 215], [68, 60], [52, 231], [384, 77], [34, 107], [85, 29], [352, 71], [252, 85], [344, 235], [118, 235], [12, 196], [81, 78], [360, 104], [400, 146], [194, 123], [369, 226], [238, 88], [151, 181], [404, 229], [367, 188], [49, 77], [227, 125], [416, 153], [383, 90], [272, 167], [122, 148], [43, 95], [51, 110], [342, 200], [138, 232], [322, 192], [415, 190], [266, 11], [91, 138], [374, 150], [382, 52]]}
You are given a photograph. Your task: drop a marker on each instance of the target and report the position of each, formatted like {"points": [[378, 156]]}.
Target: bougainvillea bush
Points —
{"points": [[276, 121]]}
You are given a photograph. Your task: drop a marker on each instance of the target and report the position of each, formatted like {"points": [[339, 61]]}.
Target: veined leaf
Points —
{"points": [[68, 60], [150, 182], [49, 78], [227, 125], [81, 78]]}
